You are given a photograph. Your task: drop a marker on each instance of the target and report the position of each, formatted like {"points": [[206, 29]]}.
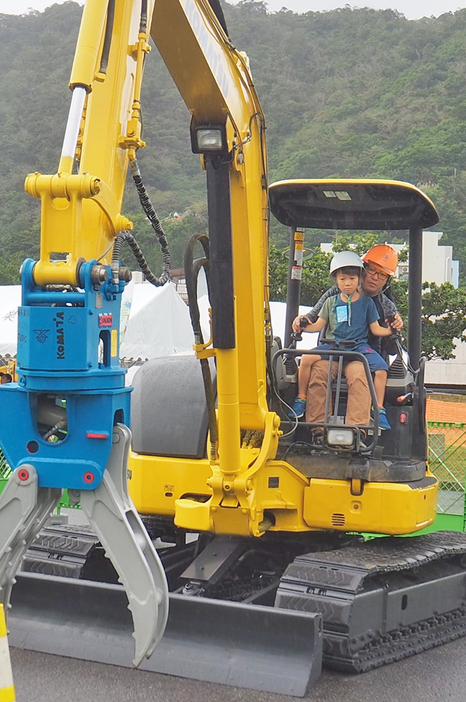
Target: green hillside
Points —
{"points": [[347, 93]]}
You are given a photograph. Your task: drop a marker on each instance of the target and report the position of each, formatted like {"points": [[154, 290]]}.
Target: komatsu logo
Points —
{"points": [[60, 334], [211, 51], [41, 335]]}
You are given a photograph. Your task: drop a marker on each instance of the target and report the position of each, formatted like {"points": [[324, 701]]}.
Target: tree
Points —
{"points": [[443, 317], [278, 274], [9, 269], [315, 280], [360, 243]]}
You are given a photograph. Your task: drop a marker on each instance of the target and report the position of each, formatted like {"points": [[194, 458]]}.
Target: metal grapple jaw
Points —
{"points": [[25, 508]]}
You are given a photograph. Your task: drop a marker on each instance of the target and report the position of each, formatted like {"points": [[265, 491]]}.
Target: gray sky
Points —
{"points": [[413, 9]]}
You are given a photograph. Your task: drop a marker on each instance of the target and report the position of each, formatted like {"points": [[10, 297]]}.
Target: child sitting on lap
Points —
{"points": [[349, 316]]}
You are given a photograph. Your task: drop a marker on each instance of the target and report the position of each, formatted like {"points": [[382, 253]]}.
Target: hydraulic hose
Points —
{"points": [[128, 237], [192, 269], [125, 236], [154, 221], [143, 20]]}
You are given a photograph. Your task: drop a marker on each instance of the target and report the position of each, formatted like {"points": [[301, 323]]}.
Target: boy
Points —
{"points": [[349, 316]]}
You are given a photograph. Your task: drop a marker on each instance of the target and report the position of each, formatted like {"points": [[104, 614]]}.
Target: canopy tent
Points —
{"points": [[154, 322], [278, 316], [10, 300]]}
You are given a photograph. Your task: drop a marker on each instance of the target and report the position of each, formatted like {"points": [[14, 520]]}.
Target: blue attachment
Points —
{"points": [[68, 360]]}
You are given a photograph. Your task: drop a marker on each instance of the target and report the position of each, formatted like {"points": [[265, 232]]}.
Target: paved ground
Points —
{"points": [[434, 676]]}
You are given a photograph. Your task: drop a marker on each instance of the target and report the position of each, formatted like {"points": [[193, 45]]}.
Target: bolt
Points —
{"points": [[99, 275]]}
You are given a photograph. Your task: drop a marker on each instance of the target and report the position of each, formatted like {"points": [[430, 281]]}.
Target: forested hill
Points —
{"points": [[347, 93]]}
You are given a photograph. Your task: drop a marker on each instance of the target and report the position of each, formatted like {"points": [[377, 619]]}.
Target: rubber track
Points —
{"points": [[383, 600]]}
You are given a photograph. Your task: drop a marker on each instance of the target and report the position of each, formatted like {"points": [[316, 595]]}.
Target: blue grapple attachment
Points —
{"points": [[72, 406]]}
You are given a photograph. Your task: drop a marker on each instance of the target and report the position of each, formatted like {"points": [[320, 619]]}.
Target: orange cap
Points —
{"points": [[382, 256]]}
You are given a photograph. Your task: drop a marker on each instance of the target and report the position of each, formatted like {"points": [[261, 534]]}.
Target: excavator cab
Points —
{"points": [[372, 205]]}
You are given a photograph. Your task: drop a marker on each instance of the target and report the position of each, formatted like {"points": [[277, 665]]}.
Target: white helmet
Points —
{"points": [[345, 259]]}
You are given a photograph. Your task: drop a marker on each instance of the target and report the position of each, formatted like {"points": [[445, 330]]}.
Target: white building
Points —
{"points": [[438, 265], [452, 372]]}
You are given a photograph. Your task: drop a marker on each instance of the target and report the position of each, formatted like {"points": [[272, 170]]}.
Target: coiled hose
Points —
{"points": [[127, 236]]}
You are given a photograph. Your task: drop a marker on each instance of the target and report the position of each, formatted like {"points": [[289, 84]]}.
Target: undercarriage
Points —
{"points": [[377, 601]]}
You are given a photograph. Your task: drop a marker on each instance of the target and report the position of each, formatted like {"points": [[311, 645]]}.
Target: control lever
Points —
{"points": [[297, 336], [405, 399]]}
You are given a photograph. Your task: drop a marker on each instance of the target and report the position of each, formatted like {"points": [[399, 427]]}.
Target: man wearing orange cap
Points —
{"points": [[380, 264]]}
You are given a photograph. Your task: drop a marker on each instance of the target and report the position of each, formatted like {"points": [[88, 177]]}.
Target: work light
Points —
{"points": [[208, 138]]}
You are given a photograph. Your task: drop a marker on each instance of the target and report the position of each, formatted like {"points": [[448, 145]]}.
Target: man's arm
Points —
{"points": [[313, 314], [390, 311]]}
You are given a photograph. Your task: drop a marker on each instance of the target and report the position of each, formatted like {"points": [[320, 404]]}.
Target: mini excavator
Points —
{"points": [[260, 529]]}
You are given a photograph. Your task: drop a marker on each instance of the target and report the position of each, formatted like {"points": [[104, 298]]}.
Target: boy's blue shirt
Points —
{"points": [[349, 321]]}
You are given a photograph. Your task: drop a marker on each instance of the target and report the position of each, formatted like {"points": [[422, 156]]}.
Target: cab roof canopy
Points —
{"points": [[351, 204]]}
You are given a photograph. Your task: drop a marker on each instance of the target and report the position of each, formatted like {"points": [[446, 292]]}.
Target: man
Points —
{"points": [[380, 264]]}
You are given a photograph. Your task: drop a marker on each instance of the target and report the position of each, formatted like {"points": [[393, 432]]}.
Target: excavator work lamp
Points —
{"points": [[340, 437], [207, 138]]}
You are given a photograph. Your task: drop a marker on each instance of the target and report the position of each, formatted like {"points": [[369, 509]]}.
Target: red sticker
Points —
{"points": [[105, 320]]}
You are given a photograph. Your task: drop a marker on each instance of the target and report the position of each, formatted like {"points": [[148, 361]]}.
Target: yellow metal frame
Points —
{"points": [[274, 497]]}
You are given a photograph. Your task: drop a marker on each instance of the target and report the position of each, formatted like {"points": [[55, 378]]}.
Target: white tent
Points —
{"points": [[10, 300], [154, 322], [278, 315]]}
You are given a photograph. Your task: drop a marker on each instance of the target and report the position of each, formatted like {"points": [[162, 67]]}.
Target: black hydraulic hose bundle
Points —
{"points": [[128, 237], [156, 226], [143, 20], [192, 269]]}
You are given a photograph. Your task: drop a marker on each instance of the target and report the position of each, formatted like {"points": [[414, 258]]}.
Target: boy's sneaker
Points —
{"points": [[297, 408], [384, 424]]}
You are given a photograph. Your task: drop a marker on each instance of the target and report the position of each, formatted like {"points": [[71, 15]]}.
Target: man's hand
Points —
{"points": [[396, 323], [297, 326]]}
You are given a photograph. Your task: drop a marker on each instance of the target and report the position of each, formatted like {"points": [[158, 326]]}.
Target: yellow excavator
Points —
{"points": [[257, 524]]}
